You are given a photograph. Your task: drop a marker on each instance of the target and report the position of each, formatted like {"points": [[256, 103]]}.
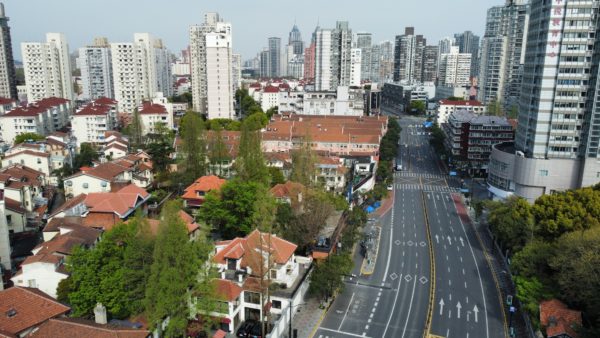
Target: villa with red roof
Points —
{"points": [[42, 117], [243, 262], [152, 114], [194, 195]]}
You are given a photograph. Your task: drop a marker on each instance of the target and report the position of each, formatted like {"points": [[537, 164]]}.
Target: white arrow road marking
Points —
{"points": [[449, 240], [476, 311], [437, 239], [468, 315], [458, 307], [441, 306], [462, 241]]}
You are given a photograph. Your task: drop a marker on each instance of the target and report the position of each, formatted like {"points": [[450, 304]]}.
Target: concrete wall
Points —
{"points": [[590, 174], [44, 276], [532, 182]]}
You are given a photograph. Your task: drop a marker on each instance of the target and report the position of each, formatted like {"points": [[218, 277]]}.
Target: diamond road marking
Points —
{"points": [[423, 280], [397, 242], [408, 278], [393, 276], [410, 243], [422, 243]]}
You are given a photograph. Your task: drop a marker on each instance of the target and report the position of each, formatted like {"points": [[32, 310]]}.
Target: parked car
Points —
{"points": [[245, 328], [255, 331], [390, 187]]}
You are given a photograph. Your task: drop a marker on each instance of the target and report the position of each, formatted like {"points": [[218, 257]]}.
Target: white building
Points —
{"points": [[95, 64], [236, 72], [140, 69], [8, 84], [333, 57], [447, 107], [355, 67], [90, 124], [153, 114], [454, 68], [42, 117], [212, 69], [47, 68]]}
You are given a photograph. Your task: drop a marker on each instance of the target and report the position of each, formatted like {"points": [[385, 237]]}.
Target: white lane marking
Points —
{"points": [[364, 335], [347, 309], [387, 265], [412, 296], [487, 328], [387, 325], [441, 306]]}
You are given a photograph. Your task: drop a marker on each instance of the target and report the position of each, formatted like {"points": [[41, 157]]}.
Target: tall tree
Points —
{"points": [[304, 162], [135, 129], [512, 222], [217, 150], [250, 164], [172, 275], [193, 147], [160, 147]]}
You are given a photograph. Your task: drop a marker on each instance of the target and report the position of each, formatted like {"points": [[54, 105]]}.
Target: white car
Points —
{"points": [[390, 187]]}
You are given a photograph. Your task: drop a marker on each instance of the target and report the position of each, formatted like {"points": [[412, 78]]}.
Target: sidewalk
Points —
{"points": [[372, 250], [308, 318]]}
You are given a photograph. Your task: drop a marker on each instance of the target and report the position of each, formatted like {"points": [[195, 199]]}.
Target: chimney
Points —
{"points": [[100, 314]]}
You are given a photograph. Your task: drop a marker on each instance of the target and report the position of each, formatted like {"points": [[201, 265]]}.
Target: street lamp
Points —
{"points": [[290, 322]]}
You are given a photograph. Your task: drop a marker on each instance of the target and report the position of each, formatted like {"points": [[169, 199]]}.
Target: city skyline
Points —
{"points": [[249, 34]]}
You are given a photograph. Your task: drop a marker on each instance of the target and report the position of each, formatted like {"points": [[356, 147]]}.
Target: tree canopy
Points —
{"points": [[193, 150], [27, 137], [250, 164]]}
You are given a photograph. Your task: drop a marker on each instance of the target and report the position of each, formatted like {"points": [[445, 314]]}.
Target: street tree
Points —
{"points": [[250, 164], [28, 137], [193, 147], [160, 147]]}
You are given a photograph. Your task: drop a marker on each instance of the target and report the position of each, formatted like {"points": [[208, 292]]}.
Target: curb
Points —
{"points": [[318, 324]]}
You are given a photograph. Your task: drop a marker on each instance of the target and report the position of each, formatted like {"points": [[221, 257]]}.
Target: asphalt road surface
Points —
{"points": [[394, 301]]}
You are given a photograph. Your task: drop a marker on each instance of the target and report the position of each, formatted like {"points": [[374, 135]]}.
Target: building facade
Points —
{"points": [[556, 144], [502, 53], [8, 80], [211, 62], [467, 42], [333, 57], [95, 63], [454, 68], [47, 68]]}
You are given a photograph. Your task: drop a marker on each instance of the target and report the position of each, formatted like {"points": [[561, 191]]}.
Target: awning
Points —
{"points": [[225, 320]]}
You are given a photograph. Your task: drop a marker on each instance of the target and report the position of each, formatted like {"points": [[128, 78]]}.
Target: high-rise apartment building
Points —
{"points": [[355, 67], [333, 57], [211, 63], [295, 40], [140, 70], [364, 41], [294, 55], [502, 53], [408, 56], [47, 68], [454, 68], [236, 72], [95, 63], [8, 84], [274, 46], [430, 63], [557, 140], [386, 61], [309, 61], [468, 42]]}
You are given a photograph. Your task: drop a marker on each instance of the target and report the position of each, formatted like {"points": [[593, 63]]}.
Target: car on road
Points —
{"points": [[390, 187], [398, 167]]}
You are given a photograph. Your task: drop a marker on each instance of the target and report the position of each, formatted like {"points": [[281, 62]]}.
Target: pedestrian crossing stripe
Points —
{"points": [[426, 188]]}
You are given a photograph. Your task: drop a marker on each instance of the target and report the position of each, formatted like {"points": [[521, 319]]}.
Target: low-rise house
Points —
{"points": [[153, 114], [558, 320], [195, 194], [72, 327], [42, 117], [193, 228], [109, 176], [46, 267], [90, 123], [243, 263], [281, 161], [288, 192], [25, 309], [24, 193], [332, 173], [116, 146], [103, 210]]}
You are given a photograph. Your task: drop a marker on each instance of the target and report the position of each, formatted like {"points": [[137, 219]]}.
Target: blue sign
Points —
{"points": [[452, 173]]}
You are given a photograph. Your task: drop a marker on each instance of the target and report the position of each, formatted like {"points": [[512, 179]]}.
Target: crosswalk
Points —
{"points": [[426, 187], [422, 175]]}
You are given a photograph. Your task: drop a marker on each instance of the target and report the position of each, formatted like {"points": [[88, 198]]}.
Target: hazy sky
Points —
{"points": [[253, 20]]}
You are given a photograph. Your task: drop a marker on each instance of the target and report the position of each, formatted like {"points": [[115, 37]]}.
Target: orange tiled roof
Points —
{"points": [[190, 223], [228, 290], [71, 327], [249, 250], [287, 189], [31, 307], [558, 319], [120, 202], [205, 184]]}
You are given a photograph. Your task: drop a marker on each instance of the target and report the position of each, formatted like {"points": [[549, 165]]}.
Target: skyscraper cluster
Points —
{"points": [[411, 61]]}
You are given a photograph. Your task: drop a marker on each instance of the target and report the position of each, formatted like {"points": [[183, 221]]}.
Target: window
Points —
{"points": [[103, 184], [85, 186], [69, 183], [276, 304], [543, 172], [251, 297], [31, 283], [273, 274]]}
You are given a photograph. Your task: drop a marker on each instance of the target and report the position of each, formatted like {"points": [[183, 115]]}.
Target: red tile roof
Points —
{"points": [[153, 108], [558, 319], [105, 100], [249, 249], [271, 89], [4, 100], [71, 327], [203, 184], [121, 202], [14, 206], [226, 289], [28, 152], [288, 189], [31, 307], [93, 109]]}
